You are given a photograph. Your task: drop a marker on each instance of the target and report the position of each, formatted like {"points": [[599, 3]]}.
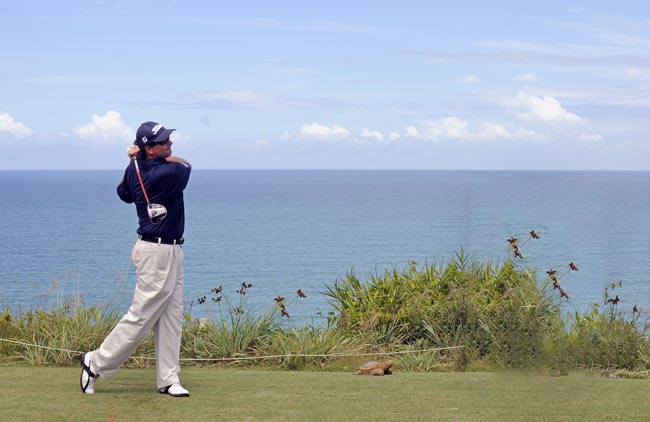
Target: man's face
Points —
{"points": [[160, 149]]}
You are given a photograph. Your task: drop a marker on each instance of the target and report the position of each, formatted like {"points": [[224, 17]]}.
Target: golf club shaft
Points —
{"points": [[137, 170]]}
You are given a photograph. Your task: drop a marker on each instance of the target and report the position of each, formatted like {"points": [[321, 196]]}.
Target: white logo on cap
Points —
{"points": [[144, 139], [156, 129]]}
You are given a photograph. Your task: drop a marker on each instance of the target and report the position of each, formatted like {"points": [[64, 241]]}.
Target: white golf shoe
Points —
{"points": [[174, 390], [88, 377]]}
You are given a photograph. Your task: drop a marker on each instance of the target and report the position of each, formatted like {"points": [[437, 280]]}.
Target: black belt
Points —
{"points": [[162, 240]]}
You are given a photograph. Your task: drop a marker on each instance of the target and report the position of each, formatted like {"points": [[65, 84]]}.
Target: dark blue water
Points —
{"points": [[67, 233]]}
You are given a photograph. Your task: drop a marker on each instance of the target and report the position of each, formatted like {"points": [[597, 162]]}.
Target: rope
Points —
{"points": [[245, 358], [38, 346], [291, 355]]}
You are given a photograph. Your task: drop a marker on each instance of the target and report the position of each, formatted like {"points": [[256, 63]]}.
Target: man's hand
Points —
{"points": [[132, 151]]}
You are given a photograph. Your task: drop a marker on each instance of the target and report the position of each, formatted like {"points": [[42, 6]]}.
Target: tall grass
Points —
{"points": [[502, 314], [497, 312], [606, 337], [230, 331], [58, 331], [459, 315], [311, 347]]}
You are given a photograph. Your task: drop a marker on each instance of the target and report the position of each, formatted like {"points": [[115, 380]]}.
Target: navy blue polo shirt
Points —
{"points": [[164, 182]]}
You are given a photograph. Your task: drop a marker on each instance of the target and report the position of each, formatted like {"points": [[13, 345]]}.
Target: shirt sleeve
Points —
{"points": [[123, 190], [183, 174]]}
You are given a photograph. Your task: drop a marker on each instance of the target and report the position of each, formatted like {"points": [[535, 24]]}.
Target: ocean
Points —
{"points": [[66, 233]]}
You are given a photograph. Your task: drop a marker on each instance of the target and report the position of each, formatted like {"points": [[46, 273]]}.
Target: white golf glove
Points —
{"points": [[132, 151]]}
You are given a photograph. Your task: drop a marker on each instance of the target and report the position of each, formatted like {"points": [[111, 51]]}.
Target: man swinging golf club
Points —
{"points": [[155, 181]]}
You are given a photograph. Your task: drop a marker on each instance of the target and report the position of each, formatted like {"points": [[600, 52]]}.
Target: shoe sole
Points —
{"points": [[174, 395], [166, 391]]}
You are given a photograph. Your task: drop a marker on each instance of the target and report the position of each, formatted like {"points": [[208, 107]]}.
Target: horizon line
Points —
{"points": [[348, 169]]}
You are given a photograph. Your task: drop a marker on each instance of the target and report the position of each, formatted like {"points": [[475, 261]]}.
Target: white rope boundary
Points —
{"points": [[245, 358]]}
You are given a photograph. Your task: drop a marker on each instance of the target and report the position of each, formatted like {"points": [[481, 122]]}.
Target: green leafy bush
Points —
{"points": [[463, 314], [603, 336], [496, 311]]}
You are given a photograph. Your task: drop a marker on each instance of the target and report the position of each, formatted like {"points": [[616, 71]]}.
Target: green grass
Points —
{"points": [[46, 393]]}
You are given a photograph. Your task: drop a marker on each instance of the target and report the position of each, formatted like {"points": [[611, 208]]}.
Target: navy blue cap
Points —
{"points": [[151, 133]]}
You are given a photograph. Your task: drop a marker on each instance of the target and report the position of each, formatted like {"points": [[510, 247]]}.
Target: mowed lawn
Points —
{"points": [[52, 394]]}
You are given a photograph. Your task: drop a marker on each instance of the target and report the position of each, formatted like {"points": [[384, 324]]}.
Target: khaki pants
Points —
{"points": [[158, 304]]}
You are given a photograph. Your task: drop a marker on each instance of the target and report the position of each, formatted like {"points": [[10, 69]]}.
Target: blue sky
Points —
{"points": [[331, 84]]}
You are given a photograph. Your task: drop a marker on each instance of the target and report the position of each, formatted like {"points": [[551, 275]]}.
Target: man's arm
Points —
{"points": [[173, 159]]}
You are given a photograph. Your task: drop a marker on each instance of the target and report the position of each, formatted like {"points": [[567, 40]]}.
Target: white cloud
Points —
{"points": [[630, 73], [621, 50], [321, 132], [540, 117], [522, 46], [12, 127], [177, 136], [263, 143], [107, 128], [591, 137], [494, 131], [412, 132], [285, 136], [469, 79], [636, 95], [377, 136], [244, 99], [273, 24], [523, 133], [445, 128], [544, 109], [526, 77], [455, 128], [233, 99]]}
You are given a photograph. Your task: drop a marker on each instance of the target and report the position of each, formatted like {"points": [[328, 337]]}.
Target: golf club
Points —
{"points": [[157, 212]]}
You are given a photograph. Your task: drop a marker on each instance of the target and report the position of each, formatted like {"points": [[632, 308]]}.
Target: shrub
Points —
{"points": [[63, 328], [603, 336], [232, 331], [454, 316], [311, 346], [496, 311]]}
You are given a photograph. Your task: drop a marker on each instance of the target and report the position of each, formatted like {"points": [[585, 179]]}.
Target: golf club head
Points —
{"points": [[157, 213]]}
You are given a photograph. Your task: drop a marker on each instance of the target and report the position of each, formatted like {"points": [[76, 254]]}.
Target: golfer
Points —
{"points": [[155, 181]]}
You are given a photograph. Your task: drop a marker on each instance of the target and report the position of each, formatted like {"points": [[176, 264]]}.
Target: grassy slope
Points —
{"points": [[49, 394]]}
